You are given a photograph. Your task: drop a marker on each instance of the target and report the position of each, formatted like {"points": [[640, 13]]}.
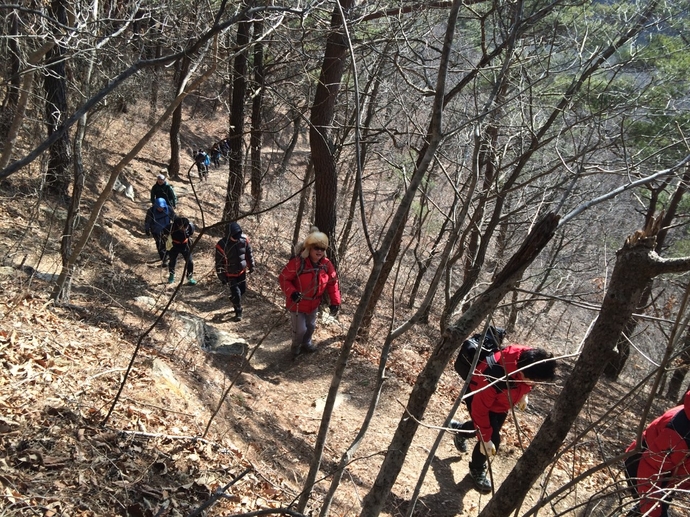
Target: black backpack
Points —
{"points": [[492, 343]]}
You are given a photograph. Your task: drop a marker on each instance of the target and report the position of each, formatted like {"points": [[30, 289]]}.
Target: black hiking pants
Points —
{"points": [[496, 420]]}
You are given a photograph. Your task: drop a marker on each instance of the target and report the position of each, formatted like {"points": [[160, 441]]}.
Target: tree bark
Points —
{"points": [[621, 352], [72, 219], [256, 136], [322, 147], [20, 109], [304, 195], [55, 85], [235, 140], [9, 106], [181, 72]]}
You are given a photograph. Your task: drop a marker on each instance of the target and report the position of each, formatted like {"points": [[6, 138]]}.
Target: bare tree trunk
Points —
{"points": [[257, 105], [20, 109], [304, 195], [55, 85], [181, 73], [10, 104], [72, 219], [296, 124], [322, 147], [636, 265], [622, 351], [235, 187], [153, 95]]}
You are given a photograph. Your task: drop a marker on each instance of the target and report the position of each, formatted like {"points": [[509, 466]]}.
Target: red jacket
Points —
{"points": [[496, 399], [665, 461], [300, 275]]}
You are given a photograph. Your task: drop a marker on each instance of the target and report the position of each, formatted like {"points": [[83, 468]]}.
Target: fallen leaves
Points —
{"points": [[58, 379]]}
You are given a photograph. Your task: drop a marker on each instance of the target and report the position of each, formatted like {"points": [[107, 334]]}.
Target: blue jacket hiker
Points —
{"points": [[158, 223], [182, 230], [234, 259]]}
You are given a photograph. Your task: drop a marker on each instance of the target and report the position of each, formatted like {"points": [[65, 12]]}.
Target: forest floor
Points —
{"points": [[190, 420]]}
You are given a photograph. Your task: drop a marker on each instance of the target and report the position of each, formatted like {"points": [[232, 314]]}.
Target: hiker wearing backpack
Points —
{"points": [[501, 381], [234, 260], [158, 223], [182, 230], [163, 189], [215, 154], [661, 463], [202, 162], [225, 147], [304, 281]]}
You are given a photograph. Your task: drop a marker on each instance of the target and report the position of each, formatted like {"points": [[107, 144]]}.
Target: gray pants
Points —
{"points": [[303, 326]]}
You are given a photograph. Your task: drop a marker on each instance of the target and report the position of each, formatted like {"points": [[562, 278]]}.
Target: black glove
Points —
{"points": [[334, 309], [148, 233], [295, 297]]}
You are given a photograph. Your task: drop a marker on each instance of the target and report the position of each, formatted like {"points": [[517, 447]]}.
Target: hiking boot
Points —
{"points": [[309, 347], [238, 314], [171, 278], [296, 350], [191, 281], [481, 482], [459, 438]]}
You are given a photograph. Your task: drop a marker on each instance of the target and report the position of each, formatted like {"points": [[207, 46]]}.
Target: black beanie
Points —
{"points": [[234, 229]]}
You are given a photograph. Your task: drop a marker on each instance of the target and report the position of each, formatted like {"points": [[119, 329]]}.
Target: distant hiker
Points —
{"points": [[215, 154], [304, 280], [489, 407], [158, 223], [202, 162], [182, 230], [225, 147], [234, 259], [661, 466], [163, 189]]}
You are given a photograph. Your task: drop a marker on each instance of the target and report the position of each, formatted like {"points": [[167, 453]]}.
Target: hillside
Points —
{"points": [[170, 444]]}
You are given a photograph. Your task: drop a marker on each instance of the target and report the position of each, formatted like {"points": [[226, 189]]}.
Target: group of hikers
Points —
{"points": [[304, 279], [204, 158], [501, 380], [504, 376]]}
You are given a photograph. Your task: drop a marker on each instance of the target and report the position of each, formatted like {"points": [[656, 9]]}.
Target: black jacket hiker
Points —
{"points": [[234, 259]]}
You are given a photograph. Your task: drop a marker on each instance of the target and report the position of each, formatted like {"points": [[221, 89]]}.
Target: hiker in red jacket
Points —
{"points": [[491, 401], [304, 280], [662, 463]]}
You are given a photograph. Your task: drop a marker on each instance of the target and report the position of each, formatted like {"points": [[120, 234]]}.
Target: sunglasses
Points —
{"points": [[318, 248]]}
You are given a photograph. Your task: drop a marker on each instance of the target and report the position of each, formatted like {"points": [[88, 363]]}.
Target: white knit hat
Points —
{"points": [[315, 238]]}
